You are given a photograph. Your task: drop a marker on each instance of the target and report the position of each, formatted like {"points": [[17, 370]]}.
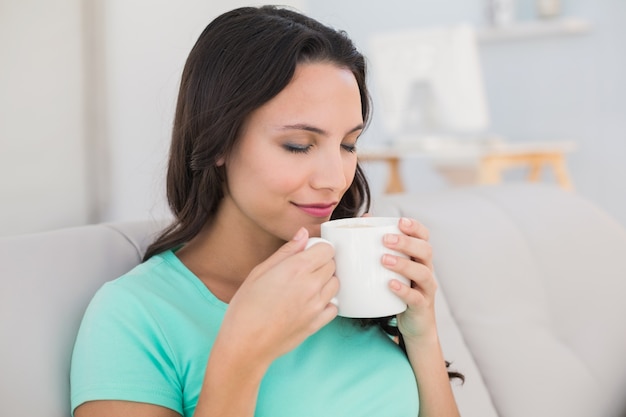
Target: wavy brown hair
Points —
{"points": [[242, 60]]}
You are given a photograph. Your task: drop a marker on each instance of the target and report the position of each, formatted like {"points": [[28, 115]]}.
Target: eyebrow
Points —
{"points": [[317, 130]]}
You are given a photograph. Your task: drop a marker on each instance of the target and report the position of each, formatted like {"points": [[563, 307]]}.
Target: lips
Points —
{"points": [[317, 209]]}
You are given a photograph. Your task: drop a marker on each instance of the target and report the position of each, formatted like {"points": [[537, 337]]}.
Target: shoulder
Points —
{"points": [[160, 294], [153, 279], [131, 299]]}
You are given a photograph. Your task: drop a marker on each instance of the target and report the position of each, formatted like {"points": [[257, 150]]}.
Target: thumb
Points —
{"points": [[295, 245]]}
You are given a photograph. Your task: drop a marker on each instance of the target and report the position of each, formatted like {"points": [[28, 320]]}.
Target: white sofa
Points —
{"points": [[531, 303]]}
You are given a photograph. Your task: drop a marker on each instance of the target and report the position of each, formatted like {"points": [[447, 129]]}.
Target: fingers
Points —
{"points": [[319, 255], [409, 296], [329, 289], [314, 270], [323, 271], [295, 245], [413, 228], [326, 316], [420, 274], [419, 267], [414, 243], [311, 269]]}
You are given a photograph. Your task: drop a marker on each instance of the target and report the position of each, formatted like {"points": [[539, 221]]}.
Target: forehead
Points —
{"points": [[317, 91]]}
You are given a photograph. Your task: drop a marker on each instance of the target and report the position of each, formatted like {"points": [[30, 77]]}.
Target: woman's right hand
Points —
{"points": [[284, 300]]}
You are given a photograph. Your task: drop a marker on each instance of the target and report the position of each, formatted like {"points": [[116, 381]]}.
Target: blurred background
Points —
{"points": [[88, 90]]}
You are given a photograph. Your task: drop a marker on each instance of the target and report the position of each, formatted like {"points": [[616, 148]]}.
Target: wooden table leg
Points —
{"points": [[394, 182], [534, 175], [560, 172], [394, 179], [489, 170]]}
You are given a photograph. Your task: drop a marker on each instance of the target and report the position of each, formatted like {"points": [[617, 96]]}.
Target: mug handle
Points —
{"points": [[313, 241]]}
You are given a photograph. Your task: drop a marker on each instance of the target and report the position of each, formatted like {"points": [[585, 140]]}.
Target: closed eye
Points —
{"points": [[294, 148], [349, 147]]}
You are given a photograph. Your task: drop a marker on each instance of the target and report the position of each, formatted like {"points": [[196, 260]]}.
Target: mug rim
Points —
{"points": [[373, 221]]}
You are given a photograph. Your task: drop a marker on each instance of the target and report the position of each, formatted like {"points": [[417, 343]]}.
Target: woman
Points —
{"points": [[229, 315]]}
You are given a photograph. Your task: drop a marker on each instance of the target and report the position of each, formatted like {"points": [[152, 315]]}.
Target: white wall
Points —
{"points": [[42, 170], [88, 88], [87, 95], [146, 44], [548, 88]]}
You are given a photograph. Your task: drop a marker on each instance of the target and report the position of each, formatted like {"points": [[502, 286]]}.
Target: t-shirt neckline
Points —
{"points": [[170, 257]]}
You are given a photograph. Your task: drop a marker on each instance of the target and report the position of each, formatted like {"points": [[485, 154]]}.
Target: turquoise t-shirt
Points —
{"points": [[146, 337]]}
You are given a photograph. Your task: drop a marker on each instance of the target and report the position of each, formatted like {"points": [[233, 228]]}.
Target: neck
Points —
{"points": [[225, 251]]}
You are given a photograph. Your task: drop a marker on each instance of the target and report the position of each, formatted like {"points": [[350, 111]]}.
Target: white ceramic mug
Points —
{"points": [[363, 280]]}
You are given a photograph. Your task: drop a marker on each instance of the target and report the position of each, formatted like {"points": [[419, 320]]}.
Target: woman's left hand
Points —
{"points": [[418, 321]]}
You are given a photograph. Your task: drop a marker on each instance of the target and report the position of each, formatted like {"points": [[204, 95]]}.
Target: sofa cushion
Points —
{"points": [[534, 277], [472, 397], [46, 283]]}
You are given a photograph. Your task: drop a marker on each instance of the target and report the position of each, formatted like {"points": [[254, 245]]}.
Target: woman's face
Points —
{"points": [[296, 156]]}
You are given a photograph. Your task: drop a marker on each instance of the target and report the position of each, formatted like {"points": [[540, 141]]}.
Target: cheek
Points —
{"points": [[286, 177], [350, 171], [272, 176]]}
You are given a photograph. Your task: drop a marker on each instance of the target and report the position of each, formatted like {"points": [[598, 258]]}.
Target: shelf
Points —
{"points": [[534, 29]]}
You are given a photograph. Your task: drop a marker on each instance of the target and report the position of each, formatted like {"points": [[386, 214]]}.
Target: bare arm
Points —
{"points": [[231, 383], [122, 409], [436, 397], [417, 324]]}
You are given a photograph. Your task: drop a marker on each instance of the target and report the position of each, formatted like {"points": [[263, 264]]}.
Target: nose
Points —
{"points": [[331, 171]]}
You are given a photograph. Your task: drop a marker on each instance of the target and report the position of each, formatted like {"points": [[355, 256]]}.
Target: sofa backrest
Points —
{"points": [[530, 304], [535, 278], [46, 282]]}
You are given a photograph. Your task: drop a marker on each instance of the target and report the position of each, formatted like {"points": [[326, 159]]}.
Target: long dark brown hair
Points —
{"points": [[242, 60]]}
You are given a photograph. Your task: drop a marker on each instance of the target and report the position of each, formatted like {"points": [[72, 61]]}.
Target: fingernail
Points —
{"points": [[300, 235], [406, 222], [389, 260], [391, 239], [395, 285]]}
